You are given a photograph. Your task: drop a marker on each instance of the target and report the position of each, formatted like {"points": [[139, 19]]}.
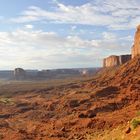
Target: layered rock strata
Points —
{"points": [[115, 60]]}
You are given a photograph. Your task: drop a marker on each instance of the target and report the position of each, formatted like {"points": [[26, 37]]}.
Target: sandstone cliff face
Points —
{"points": [[111, 61], [136, 47], [124, 58], [115, 60]]}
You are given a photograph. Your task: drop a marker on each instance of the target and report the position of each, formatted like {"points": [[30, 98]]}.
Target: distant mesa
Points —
{"points": [[26, 74], [136, 47], [115, 60], [19, 73]]}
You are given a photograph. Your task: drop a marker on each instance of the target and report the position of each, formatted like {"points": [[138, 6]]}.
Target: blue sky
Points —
{"points": [[43, 34]]}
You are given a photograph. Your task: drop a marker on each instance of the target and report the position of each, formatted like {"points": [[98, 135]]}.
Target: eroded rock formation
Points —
{"points": [[19, 73], [124, 58], [136, 47], [115, 60], [110, 61]]}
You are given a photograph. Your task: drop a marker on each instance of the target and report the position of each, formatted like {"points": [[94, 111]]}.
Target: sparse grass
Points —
{"points": [[6, 101], [118, 133], [138, 113], [135, 123], [115, 134]]}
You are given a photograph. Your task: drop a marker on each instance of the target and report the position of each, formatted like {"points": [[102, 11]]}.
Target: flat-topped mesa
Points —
{"points": [[19, 74], [136, 47], [115, 60], [124, 58], [111, 61]]}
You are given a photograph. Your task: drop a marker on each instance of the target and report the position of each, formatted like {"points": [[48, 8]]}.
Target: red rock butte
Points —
{"points": [[136, 47], [115, 60]]}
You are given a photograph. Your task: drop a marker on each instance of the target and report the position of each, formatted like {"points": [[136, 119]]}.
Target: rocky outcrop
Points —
{"points": [[115, 60], [124, 58], [136, 47], [19, 73], [110, 61]]}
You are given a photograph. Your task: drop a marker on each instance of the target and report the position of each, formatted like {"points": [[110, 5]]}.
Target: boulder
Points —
{"points": [[73, 103], [87, 114]]}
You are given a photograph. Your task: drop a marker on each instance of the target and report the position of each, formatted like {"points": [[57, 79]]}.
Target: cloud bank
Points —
{"points": [[27, 47], [113, 14]]}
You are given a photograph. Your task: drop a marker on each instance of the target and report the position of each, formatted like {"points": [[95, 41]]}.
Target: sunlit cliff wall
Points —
{"points": [[136, 47], [115, 60]]}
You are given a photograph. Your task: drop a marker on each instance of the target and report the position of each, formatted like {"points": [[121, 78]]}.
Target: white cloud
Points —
{"points": [[73, 28], [29, 26], [38, 49], [114, 14], [109, 36]]}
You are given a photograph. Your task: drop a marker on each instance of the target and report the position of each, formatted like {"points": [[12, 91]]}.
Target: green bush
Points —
{"points": [[138, 113], [134, 123]]}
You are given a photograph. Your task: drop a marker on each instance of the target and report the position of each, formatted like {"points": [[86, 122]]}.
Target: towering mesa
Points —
{"points": [[136, 47], [115, 60]]}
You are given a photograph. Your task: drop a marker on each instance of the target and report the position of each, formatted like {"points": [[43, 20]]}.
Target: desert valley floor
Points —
{"points": [[101, 107]]}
